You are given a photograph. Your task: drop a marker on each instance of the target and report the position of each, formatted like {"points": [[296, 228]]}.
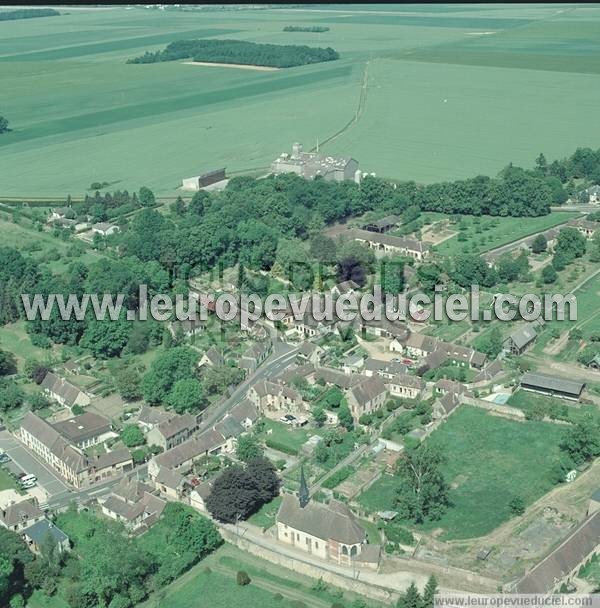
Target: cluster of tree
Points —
{"points": [[241, 52], [3, 124], [570, 245], [422, 493], [104, 206], [584, 163], [172, 380], [27, 13], [413, 599], [334, 447], [581, 442], [14, 558], [107, 568], [308, 28], [241, 491]]}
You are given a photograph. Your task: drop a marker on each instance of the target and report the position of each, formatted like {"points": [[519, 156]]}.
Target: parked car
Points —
{"points": [[4, 457], [288, 419], [26, 485]]}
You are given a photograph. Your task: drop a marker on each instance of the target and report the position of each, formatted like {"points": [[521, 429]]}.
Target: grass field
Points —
{"points": [[490, 460], [271, 586], [439, 100]]}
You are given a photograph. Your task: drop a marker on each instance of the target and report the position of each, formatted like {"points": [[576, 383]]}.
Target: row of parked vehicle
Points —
{"points": [[25, 480]]}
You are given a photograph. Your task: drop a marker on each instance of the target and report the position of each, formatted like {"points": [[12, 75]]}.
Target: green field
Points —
{"points": [[419, 95], [490, 460]]}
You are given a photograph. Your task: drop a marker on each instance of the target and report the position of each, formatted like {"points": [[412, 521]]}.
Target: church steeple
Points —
{"points": [[303, 496]]}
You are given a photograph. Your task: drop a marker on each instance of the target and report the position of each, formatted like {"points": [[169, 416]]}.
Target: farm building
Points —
{"points": [[312, 164], [105, 229], [552, 385], [521, 339], [206, 179], [385, 224], [586, 227]]}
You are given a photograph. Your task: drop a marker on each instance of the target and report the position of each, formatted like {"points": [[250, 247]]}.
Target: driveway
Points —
{"points": [[25, 460]]}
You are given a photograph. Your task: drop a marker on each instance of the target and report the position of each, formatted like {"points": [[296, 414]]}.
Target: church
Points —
{"points": [[328, 531]]}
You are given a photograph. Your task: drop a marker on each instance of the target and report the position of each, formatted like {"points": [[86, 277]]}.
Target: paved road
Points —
{"points": [[282, 356]]}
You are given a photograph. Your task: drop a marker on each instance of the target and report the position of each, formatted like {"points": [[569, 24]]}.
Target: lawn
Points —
{"points": [[283, 437], [490, 460], [452, 119], [6, 481], [214, 581], [15, 339], [265, 516]]}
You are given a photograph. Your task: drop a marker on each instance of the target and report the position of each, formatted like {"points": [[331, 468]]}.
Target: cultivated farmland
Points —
{"points": [[416, 94]]}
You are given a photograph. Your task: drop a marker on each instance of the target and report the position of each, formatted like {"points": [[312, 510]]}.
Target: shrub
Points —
{"points": [[242, 578]]}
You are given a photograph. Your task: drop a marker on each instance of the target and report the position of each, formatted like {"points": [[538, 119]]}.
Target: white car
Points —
{"points": [[26, 485], [288, 419]]}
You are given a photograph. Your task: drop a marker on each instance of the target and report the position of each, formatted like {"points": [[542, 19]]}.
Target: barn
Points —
{"points": [[552, 385]]}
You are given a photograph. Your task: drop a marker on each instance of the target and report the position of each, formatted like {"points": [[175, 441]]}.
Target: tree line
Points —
{"points": [[241, 52], [27, 13]]}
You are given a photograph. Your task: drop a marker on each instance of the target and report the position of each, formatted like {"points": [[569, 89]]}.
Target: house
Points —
{"points": [[20, 515], [182, 456], [36, 535], [447, 403], [335, 377], [212, 357], [586, 227], [353, 363], [552, 385], [173, 431], [405, 386], [244, 413], [384, 244], [395, 330], [309, 327], [344, 288], [271, 399], [366, 397], [521, 339], [199, 495], [134, 504], [68, 460], [329, 532], [386, 369], [105, 229], [85, 430], [310, 165], [563, 563], [488, 373], [149, 417], [171, 484], [310, 353], [255, 355], [419, 345], [444, 386], [63, 391], [187, 327], [590, 195], [61, 213]]}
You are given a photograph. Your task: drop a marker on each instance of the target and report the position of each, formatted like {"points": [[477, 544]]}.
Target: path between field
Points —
{"points": [[239, 66]]}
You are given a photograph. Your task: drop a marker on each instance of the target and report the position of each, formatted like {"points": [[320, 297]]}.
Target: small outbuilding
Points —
{"points": [[552, 385]]}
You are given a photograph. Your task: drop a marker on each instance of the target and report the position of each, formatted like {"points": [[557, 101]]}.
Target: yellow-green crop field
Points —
{"points": [[426, 92]]}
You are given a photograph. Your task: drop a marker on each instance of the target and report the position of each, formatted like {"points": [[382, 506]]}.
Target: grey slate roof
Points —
{"points": [[65, 389], [368, 389], [523, 335], [16, 513], [552, 383], [176, 424], [39, 532], [333, 521], [85, 426]]}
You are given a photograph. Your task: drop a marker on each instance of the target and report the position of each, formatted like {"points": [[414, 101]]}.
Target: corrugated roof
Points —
{"points": [[552, 383]]}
